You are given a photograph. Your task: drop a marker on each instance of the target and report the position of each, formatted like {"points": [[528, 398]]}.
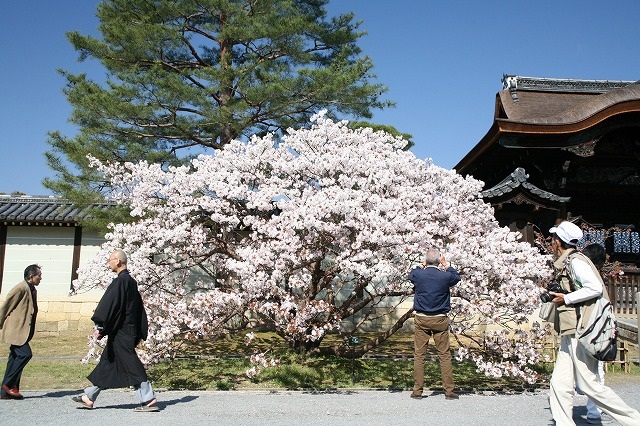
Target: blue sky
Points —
{"points": [[442, 62]]}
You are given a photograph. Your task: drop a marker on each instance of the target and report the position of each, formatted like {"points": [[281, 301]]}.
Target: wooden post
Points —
{"points": [[638, 321]]}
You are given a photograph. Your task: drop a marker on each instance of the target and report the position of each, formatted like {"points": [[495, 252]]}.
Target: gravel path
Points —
{"points": [[307, 408]]}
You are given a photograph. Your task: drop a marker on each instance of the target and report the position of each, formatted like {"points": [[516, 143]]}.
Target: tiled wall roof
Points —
{"points": [[27, 209]]}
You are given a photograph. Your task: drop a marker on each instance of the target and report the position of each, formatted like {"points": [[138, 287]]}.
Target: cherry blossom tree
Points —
{"points": [[316, 233]]}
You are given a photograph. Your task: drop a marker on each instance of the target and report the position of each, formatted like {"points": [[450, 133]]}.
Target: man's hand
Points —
{"points": [[558, 298], [443, 261], [96, 334]]}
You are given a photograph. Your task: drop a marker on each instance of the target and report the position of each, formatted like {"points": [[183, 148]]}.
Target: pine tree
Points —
{"points": [[186, 77]]}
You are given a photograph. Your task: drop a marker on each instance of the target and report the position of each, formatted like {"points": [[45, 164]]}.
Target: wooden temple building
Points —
{"points": [[564, 149], [569, 149]]}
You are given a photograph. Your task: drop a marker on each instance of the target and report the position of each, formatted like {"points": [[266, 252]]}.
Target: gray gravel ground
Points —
{"points": [[281, 407]]}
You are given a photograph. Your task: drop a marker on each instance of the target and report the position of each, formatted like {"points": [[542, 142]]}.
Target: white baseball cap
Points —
{"points": [[568, 232]]}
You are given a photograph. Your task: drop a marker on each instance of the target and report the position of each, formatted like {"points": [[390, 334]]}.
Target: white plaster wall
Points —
{"points": [[51, 247], [48, 246]]}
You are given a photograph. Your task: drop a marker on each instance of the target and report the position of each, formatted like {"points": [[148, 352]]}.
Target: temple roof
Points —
{"points": [[579, 142], [42, 210], [518, 180], [561, 110], [557, 101]]}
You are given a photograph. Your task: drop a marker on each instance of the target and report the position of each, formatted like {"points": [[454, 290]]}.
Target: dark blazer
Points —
{"points": [[17, 315], [431, 287]]}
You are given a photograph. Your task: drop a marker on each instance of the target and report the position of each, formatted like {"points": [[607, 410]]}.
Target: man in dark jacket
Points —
{"points": [[18, 323], [431, 303], [120, 315]]}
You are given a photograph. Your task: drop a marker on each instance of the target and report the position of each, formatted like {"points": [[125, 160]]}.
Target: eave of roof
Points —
{"points": [[555, 106], [518, 181], [556, 110], [45, 210]]}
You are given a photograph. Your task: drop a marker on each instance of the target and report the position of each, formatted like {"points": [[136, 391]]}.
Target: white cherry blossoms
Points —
{"points": [[316, 233]]}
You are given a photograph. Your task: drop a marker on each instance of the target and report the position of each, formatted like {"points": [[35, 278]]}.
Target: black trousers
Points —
{"points": [[19, 356]]}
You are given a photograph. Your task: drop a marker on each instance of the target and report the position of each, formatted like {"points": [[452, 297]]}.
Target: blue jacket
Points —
{"points": [[431, 287]]}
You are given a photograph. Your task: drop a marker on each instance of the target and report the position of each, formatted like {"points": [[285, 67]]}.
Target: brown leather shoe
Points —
{"points": [[416, 396], [11, 393], [452, 395]]}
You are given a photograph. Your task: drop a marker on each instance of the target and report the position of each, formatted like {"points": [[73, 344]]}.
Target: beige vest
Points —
{"points": [[567, 315]]}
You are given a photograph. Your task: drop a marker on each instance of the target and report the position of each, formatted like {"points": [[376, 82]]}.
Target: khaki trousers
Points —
{"points": [[425, 327], [576, 368]]}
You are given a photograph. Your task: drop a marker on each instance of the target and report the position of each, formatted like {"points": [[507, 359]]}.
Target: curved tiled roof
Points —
{"points": [[46, 210], [519, 178], [553, 108], [531, 107]]}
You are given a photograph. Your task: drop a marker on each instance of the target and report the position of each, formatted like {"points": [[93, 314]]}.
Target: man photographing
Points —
{"points": [[432, 303]]}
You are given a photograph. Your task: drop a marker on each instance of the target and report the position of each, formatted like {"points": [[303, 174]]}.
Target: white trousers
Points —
{"points": [[144, 390], [576, 368], [593, 412]]}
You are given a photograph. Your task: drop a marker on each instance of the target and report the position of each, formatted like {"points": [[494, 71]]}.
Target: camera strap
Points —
{"points": [[574, 283]]}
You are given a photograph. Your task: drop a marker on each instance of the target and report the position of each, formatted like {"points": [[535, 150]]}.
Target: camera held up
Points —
{"points": [[555, 288]]}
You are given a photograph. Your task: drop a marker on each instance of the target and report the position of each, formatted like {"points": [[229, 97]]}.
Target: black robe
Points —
{"points": [[121, 314]]}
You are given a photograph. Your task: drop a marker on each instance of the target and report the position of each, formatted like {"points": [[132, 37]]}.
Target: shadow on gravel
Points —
{"points": [[58, 394], [162, 404]]}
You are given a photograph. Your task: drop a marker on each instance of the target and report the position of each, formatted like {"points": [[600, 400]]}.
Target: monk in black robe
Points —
{"points": [[120, 315]]}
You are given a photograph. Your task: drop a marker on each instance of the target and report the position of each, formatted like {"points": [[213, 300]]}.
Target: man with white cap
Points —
{"points": [[574, 366]]}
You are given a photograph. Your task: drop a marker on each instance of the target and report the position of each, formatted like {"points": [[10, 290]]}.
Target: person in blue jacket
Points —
{"points": [[431, 304]]}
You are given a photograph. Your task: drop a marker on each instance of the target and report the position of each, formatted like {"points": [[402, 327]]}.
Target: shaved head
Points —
{"points": [[120, 255]]}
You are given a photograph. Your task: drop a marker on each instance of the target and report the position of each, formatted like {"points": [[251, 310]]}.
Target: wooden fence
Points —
{"points": [[622, 293]]}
